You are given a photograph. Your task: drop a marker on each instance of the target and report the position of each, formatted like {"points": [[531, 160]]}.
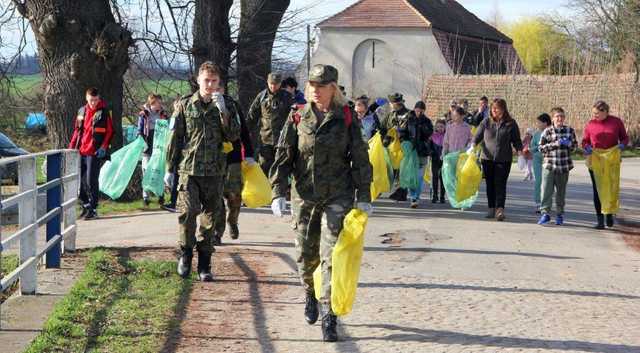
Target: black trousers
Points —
{"points": [[89, 188], [596, 198], [496, 176], [436, 179]]}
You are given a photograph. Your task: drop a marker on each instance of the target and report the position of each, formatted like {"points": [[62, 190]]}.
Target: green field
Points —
{"points": [[27, 84]]}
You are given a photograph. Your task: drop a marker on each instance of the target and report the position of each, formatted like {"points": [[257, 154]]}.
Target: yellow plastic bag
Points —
{"points": [[345, 263], [256, 191], [380, 181], [395, 149], [227, 147], [605, 165], [468, 175], [427, 172]]}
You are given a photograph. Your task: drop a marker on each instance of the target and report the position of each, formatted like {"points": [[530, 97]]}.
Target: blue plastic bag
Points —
{"points": [[153, 179], [116, 173], [409, 167]]}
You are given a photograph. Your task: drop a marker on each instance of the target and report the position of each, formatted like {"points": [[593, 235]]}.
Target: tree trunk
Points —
{"points": [[80, 46], [259, 22], [212, 35]]}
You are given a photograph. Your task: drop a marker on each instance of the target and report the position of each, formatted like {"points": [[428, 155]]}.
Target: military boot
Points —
{"points": [[204, 267], [329, 327], [234, 232], [600, 224], [184, 263], [311, 311]]}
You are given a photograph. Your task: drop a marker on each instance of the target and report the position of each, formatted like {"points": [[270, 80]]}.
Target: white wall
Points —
{"points": [[415, 57]]}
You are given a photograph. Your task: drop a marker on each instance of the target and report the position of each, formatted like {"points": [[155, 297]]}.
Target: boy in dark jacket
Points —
{"points": [[151, 112]]}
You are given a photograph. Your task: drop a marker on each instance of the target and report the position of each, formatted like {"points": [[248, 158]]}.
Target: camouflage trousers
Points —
{"points": [[317, 227], [266, 157], [233, 194], [198, 196]]}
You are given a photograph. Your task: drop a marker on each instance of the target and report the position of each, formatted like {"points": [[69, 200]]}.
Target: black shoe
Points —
{"points": [[330, 328], [434, 200], [234, 232], [204, 267], [441, 200], [399, 195], [609, 220], [184, 263], [600, 224], [85, 210], [169, 208], [311, 311], [217, 239], [145, 202], [161, 200], [91, 214]]}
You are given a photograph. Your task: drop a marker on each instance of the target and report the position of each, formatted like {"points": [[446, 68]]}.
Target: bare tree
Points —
{"points": [[212, 34], [79, 47], [259, 24]]}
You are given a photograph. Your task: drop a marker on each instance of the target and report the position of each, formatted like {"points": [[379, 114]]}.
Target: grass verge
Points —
{"points": [[117, 305], [8, 264]]}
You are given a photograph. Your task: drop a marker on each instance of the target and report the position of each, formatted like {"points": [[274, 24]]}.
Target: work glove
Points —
{"points": [[218, 100], [250, 161], [101, 153], [278, 206], [168, 179], [381, 101], [565, 142], [471, 149], [588, 150], [365, 207], [621, 146]]}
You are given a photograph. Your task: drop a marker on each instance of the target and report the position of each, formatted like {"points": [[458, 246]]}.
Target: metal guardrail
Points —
{"points": [[62, 186]]}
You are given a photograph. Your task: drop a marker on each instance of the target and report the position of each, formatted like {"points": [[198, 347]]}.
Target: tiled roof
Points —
{"points": [[377, 13], [445, 15]]}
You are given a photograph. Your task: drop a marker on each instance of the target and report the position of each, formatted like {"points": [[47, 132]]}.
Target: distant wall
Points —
{"points": [[527, 96]]}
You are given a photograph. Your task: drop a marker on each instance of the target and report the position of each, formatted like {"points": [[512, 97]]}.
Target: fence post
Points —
{"points": [[54, 167], [28, 214], [70, 191]]}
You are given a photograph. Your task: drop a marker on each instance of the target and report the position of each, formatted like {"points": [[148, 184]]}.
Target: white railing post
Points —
{"points": [[70, 191], [28, 214]]}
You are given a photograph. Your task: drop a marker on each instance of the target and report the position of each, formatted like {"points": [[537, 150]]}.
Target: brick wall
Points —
{"points": [[528, 96]]}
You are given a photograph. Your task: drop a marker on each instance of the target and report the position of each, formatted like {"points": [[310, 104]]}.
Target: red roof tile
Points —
{"points": [[377, 13]]}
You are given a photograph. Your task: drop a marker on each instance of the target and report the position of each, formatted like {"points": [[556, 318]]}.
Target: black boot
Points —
{"points": [[217, 239], [600, 224], [329, 327], [204, 267], [234, 232], [184, 263], [609, 220], [311, 311]]}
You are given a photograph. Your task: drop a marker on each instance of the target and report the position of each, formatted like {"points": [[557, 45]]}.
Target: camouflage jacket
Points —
{"points": [[268, 114], [195, 146], [328, 162]]}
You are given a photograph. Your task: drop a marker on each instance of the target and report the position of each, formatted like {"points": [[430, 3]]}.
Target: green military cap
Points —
{"points": [[274, 77], [396, 98], [323, 74]]}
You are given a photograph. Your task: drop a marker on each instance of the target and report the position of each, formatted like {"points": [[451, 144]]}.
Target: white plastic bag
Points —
{"points": [[522, 163]]}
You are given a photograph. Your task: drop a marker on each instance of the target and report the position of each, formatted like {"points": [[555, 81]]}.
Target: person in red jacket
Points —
{"points": [[603, 131], [92, 135]]}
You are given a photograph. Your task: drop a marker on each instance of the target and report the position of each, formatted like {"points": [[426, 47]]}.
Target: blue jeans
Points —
{"points": [[414, 194]]}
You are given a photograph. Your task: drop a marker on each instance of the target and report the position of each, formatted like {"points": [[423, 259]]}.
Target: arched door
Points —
{"points": [[372, 69]]}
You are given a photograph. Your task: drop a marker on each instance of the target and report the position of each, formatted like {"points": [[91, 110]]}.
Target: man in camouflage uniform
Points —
{"points": [[233, 181], [202, 123], [322, 147], [397, 119], [267, 115]]}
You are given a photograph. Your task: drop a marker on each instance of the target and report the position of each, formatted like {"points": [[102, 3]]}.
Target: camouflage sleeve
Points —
{"points": [[176, 139], [286, 152], [231, 124], [361, 170]]}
